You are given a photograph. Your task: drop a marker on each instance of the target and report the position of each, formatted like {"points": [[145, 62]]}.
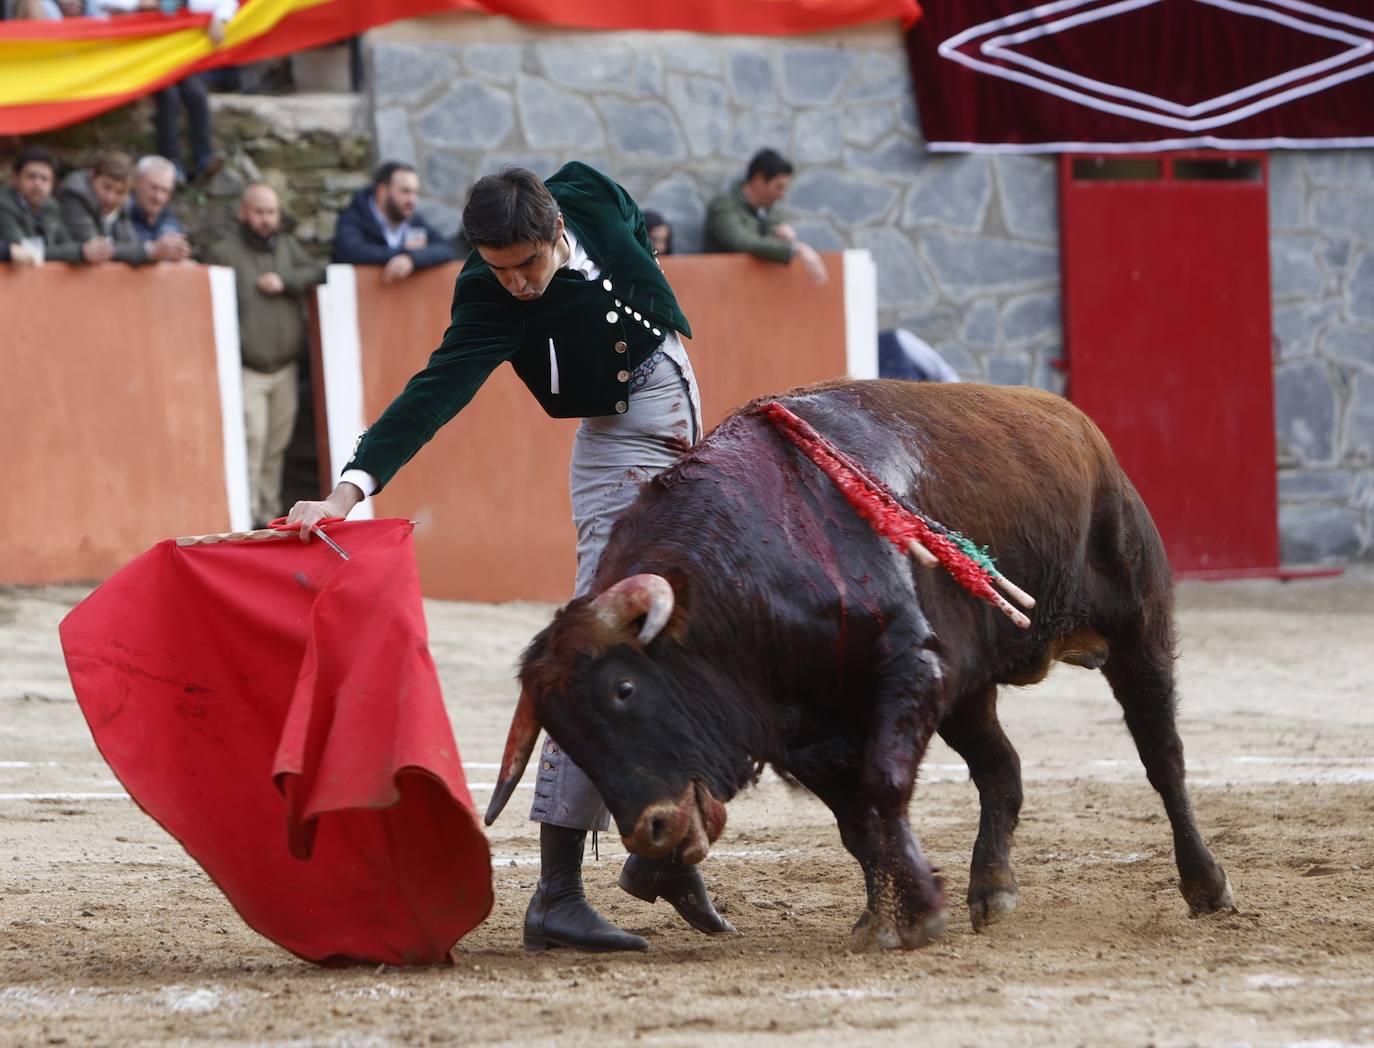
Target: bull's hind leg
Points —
{"points": [[1141, 673], [972, 729]]}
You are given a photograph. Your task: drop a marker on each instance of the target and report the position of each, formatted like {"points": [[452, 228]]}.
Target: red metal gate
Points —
{"points": [[1167, 333]]}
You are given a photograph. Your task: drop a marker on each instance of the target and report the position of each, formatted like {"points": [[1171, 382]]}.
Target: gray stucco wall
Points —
{"points": [[966, 246]]}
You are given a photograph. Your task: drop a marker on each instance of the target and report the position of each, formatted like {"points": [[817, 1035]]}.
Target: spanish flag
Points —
{"points": [[61, 72]]}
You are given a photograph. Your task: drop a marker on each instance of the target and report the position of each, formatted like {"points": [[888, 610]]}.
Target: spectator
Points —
{"points": [[163, 238], [191, 94], [660, 233], [902, 355], [747, 218], [381, 228], [273, 273], [92, 203], [43, 10], [29, 213]]}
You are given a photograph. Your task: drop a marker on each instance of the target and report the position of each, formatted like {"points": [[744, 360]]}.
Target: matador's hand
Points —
{"points": [[339, 504]]}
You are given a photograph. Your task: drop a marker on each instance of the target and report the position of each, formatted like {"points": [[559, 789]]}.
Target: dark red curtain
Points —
{"points": [[1145, 74]]}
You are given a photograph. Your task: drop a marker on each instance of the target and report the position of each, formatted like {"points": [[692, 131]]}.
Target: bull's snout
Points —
{"points": [[687, 825], [659, 829]]}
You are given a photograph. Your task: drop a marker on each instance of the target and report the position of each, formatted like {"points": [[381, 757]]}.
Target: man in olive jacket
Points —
{"points": [[563, 285], [747, 219], [272, 273]]}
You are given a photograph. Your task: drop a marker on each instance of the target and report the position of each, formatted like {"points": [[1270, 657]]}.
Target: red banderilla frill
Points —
{"points": [[927, 541]]}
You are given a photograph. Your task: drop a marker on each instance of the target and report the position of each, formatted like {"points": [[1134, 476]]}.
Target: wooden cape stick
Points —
{"points": [[257, 535]]}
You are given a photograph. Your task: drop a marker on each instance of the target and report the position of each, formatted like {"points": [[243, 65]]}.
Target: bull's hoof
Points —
{"points": [[990, 906], [864, 935], [1202, 902], [921, 933], [870, 932]]}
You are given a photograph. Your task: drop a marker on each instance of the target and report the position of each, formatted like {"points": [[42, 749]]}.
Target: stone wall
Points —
{"points": [[314, 149], [966, 246], [1321, 217]]}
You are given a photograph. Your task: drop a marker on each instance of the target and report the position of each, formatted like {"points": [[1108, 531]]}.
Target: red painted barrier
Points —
{"points": [[109, 415]]}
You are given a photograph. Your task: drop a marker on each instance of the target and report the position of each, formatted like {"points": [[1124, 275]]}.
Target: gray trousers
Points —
{"points": [[612, 456]]}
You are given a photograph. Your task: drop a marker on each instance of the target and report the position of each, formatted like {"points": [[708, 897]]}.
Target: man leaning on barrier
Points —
{"points": [[30, 217], [382, 228]]}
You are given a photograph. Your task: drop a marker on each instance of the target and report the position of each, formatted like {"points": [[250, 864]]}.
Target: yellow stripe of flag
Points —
{"points": [[38, 71]]}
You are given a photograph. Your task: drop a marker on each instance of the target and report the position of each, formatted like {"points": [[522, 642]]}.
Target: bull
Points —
{"points": [[745, 615]]}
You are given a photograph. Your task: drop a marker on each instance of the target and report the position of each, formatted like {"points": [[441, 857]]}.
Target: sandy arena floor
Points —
{"points": [[110, 934]]}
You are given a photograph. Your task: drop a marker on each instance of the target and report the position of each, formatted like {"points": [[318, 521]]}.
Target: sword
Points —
{"points": [[329, 542]]}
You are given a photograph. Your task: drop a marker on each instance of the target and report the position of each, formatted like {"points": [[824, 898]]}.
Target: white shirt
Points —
{"points": [[395, 235], [578, 260]]}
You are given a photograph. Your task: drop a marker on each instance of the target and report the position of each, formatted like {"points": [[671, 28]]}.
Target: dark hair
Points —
{"points": [[382, 176], [35, 155], [510, 207], [116, 165], [652, 220], [769, 163]]}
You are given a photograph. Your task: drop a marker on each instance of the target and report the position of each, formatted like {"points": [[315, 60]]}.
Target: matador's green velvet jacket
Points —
{"points": [[574, 346]]}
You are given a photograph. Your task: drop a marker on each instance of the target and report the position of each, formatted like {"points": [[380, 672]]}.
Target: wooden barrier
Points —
{"points": [[490, 491], [121, 410], [120, 415]]}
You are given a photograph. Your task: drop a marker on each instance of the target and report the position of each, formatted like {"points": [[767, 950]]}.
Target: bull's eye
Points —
{"points": [[624, 688]]}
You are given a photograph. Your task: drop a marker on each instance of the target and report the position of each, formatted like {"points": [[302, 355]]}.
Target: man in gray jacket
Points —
{"points": [[273, 274], [92, 203]]}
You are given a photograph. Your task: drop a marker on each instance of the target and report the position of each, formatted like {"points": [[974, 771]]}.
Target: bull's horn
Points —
{"points": [[524, 731], [647, 595]]}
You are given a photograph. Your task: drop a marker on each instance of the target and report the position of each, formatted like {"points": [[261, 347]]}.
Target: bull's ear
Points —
{"points": [[524, 732], [676, 630]]}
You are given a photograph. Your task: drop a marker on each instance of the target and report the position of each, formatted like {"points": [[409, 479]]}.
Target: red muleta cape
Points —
{"points": [[276, 709]]}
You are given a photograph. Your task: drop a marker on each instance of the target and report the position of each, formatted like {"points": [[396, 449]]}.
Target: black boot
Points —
{"points": [[559, 914], [679, 884]]}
